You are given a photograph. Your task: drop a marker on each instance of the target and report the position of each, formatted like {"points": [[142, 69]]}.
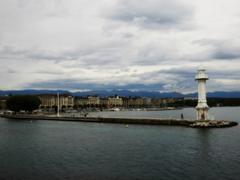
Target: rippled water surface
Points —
{"points": [[72, 150]]}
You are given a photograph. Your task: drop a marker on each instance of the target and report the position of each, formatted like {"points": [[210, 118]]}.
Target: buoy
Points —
{"points": [[126, 125]]}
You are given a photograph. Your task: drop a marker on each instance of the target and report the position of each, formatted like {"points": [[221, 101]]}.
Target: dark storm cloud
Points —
{"points": [[153, 13]]}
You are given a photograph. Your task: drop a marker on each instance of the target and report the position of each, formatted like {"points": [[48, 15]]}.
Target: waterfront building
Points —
{"points": [[147, 101], [50, 101], [135, 102], [125, 102], [90, 101], [202, 107], [93, 101], [104, 102], [115, 101], [163, 102], [80, 102], [157, 102]]}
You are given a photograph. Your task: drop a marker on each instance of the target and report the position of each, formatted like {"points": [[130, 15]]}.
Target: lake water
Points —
{"points": [[75, 150]]}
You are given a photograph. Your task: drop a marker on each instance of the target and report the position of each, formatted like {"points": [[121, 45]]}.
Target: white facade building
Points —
{"points": [[202, 107]]}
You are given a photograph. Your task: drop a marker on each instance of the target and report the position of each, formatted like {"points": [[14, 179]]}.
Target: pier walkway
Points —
{"points": [[146, 121]]}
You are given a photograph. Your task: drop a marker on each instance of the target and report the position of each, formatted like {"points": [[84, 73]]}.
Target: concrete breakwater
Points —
{"points": [[146, 121], [150, 121]]}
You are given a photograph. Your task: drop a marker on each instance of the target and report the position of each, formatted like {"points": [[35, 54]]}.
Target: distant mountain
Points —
{"points": [[126, 93], [223, 94], [218, 94]]}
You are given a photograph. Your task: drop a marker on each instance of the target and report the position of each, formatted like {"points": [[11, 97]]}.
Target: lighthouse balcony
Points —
{"points": [[201, 75], [202, 106]]}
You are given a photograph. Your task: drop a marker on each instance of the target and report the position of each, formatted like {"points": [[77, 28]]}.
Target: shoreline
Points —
{"points": [[141, 121]]}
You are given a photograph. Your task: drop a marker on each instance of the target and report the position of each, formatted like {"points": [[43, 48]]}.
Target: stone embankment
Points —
{"points": [[213, 124], [146, 121]]}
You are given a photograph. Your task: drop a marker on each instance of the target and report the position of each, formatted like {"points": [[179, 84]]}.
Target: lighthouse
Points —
{"points": [[202, 107]]}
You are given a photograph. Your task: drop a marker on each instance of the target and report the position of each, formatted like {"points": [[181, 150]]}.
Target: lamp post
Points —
{"points": [[58, 104]]}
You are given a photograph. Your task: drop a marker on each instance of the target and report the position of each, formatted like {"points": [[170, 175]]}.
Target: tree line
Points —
{"points": [[27, 103]]}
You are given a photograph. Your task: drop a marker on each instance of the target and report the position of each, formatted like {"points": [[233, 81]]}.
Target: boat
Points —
{"points": [[114, 109]]}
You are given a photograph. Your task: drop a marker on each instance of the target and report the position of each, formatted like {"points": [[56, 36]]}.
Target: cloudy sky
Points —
{"points": [[119, 44]]}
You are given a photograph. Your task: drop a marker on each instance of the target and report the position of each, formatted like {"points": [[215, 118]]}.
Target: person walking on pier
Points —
{"points": [[182, 117]]}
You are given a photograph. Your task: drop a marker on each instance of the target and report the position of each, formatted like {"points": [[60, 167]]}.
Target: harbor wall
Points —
{"points": [[150, 121], [145, 121]]}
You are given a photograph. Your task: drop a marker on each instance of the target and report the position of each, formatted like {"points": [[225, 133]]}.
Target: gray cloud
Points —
{"points": [[229, 74], [153, 13], [222, 49], [151, 45], [162, 80], [12, 71], [226, 54], [87, 57], [8, 50]]}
